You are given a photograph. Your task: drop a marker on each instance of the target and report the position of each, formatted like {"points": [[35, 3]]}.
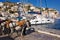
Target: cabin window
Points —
{"points": [[48, 20], [36, 21], [42, 20]]}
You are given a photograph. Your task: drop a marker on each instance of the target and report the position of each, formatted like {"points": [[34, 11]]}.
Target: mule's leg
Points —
{"points": [[11, 31], [0, 30], [24, 30]]}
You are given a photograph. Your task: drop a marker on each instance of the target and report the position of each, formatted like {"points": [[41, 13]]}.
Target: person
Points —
{"points": [[29, 23], [25, 26]]}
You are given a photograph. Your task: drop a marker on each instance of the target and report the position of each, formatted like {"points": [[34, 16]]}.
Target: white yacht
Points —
{"points": [[41, 20]]}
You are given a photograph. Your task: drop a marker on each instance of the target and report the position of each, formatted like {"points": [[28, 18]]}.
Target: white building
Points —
{"points": [[1, 4]]}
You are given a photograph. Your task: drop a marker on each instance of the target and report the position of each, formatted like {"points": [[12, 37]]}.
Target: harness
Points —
{"points": [[7, 23], [20, 23]]}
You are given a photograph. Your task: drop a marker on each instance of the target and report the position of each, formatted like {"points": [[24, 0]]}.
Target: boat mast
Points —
{"points": [[47, 8], [40, 7], [41, 10]]}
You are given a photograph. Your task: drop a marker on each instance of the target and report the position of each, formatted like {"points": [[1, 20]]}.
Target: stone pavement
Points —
{"points": [[46, 29], [37, 36], [31, 35]]}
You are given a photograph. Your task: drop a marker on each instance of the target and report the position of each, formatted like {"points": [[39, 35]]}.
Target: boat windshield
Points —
{"points": [[34, 17]]}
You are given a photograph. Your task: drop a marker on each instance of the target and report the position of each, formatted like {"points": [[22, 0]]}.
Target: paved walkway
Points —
{"points": [[46, 29], [37, 36], [32, 35]]}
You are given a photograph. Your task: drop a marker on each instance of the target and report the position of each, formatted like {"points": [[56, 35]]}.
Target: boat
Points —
{"points": [[41, 20]]}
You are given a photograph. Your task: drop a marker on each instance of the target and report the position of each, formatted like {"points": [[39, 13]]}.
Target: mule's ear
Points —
{"points": [[11, 21], [27, 20], [6, 19]]}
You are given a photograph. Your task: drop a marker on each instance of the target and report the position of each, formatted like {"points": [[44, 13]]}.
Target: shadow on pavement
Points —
{"points": [[31, 30], [6, 38]]}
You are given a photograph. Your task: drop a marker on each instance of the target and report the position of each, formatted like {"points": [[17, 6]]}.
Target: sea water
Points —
{"points": [[55, 25]]}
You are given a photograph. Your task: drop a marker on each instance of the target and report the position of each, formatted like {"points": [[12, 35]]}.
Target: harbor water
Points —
{"points": [[51, 28], [55, 25]]}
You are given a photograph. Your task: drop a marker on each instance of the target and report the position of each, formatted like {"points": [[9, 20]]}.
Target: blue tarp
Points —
{"points": [[33, 13]]}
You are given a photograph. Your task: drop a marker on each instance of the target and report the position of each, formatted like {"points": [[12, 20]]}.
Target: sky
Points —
{"points": [[55, 4]]}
